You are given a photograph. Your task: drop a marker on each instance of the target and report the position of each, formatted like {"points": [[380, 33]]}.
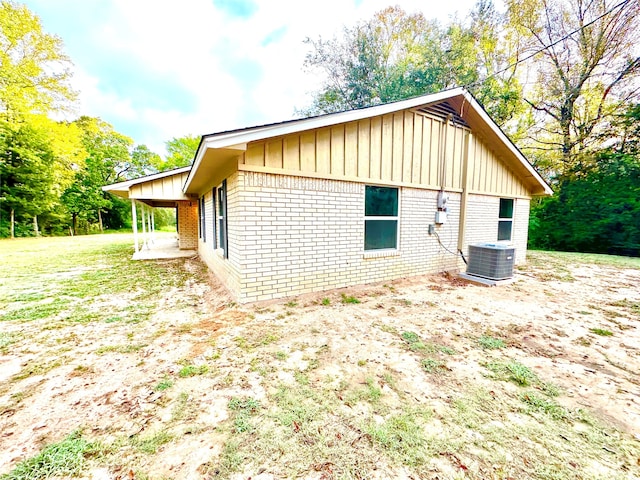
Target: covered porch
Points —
{"points": [[160, 190], [164, 246]]}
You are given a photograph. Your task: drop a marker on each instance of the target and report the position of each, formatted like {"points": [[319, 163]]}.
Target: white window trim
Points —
{"points": [[382, 252], [220, 251], [500, 219]]}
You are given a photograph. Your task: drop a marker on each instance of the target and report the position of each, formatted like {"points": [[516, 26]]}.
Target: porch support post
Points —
{"points": [[134, 222], [144, 227], [153, 226]]}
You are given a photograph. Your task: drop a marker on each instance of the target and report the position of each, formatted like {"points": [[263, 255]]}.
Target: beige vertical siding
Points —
{"points": [[167, 188], [402, 148]]}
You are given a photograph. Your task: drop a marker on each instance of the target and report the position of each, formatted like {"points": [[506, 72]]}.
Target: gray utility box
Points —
{"points": [[491, 260]]}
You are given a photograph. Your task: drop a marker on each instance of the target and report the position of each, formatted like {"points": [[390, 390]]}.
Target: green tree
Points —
{"points": [[598, 210], [108, 160], [26, 174], [586, 69], [397, 55], [180, 152], [38, 155], [35, 71], [482, 56], [376, 61], [143, 162]]}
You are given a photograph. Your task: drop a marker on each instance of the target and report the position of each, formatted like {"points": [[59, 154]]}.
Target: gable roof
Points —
{"points": [[465, 104], [121, 189]]}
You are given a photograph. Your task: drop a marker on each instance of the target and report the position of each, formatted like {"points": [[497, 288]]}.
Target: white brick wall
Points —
{"points": [[482, 223], [303, 235], [291, 235], [226, 269], [521, 228]]}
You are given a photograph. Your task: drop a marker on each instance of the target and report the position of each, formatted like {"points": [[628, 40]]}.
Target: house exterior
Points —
{"points": [[162, 190], [357, 197]]}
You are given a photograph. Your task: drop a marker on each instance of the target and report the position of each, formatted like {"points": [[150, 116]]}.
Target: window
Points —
{"points": [[380, 218], [202, 212], [222, 219], [505, 219], [199, 219], [214, 242]]}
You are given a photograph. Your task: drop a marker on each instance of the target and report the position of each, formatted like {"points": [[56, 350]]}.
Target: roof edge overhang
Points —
{"points": [[234, 142], [121, 189]]}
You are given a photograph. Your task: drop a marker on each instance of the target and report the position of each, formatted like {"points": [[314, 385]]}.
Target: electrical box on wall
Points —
{"points": [[442, 200], [441, 217]]}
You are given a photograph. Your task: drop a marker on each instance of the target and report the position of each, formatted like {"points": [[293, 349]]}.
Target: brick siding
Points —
{"points": [[291, 235], [188, 225], [482, 223]]}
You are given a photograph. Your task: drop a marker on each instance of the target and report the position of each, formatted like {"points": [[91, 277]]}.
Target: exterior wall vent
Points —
{"points": [[491, 260]]}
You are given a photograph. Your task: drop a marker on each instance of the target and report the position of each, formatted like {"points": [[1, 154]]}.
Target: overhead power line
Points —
{"points": [[552, 44]]}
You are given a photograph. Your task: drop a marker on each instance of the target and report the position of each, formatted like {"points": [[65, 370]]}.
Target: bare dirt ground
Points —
{"points": [[170, 396]]}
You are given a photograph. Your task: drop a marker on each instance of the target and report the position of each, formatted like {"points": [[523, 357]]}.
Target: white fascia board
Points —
{"points": [[121, 186]]}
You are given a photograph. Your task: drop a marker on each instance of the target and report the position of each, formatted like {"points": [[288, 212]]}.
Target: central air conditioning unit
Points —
{"points": [[491, 260]]}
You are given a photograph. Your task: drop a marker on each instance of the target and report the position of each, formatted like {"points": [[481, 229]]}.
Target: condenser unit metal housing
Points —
{"points": [[491, 260]]}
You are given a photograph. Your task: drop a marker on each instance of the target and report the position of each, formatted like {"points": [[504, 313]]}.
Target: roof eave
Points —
{"points": [[122, 188]]}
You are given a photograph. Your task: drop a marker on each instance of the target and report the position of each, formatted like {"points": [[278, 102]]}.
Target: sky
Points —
{"points": [[159, 69]]}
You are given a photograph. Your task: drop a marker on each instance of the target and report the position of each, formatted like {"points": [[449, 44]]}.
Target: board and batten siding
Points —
{"points": [[167, 188], [402, 148]]}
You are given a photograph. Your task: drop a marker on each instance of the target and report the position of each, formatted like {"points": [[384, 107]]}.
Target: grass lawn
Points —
{"points": [[111, 368]]}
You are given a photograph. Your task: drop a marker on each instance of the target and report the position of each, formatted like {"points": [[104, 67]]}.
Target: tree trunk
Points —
{"points": [[36, 232], [100, 220], [13, 223], [74, 223]]}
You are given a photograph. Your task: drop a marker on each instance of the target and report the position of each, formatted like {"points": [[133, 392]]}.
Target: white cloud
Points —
{"points": [[220, 61]]}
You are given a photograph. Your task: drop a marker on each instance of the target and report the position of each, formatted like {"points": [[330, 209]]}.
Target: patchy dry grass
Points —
{"points": [[112, 368]]}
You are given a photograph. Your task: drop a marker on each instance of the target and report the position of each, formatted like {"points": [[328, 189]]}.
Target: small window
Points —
{"points": [[214, 242], [380, 218], [505, 219], [222, 218], [203, 220], [199, 219]]}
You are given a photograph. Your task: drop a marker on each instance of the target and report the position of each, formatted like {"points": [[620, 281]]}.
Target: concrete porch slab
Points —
{"points": [[162, 248]]}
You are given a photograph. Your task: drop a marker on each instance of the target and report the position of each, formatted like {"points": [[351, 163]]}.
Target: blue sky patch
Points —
{"points": [[236, 8], [274, 36]]}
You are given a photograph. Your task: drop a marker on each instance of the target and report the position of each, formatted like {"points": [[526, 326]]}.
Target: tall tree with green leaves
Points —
{"points": [[375, 61], [110, 158], [108, 161], [397, 55], [35, 71], [481, 55], [37, 153], [587, 71], [180, 152], [26, 168]]}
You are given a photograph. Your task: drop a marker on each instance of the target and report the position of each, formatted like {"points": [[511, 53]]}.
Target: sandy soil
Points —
{"points": [[545, 322]]}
